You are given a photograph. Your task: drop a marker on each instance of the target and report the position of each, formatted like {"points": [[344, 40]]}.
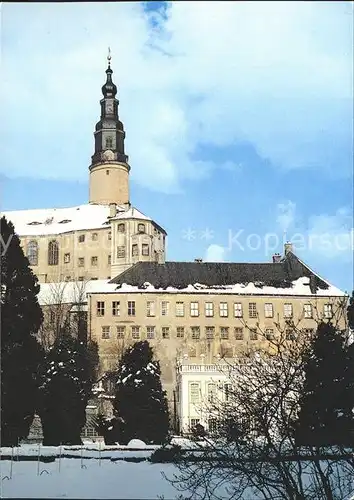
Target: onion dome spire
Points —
{"points": [[109, 89]]}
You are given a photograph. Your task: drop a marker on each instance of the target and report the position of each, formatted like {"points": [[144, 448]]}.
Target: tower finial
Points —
{"points": [[109, 57]]}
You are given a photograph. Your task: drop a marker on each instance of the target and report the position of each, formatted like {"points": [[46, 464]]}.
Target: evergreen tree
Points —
{"points": [[21, 354], [67, 379], [140, 401], [326, 403]]}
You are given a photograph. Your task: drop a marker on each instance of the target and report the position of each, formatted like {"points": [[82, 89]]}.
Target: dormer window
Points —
{"points": [[141, 228], [34, 223], [121, 228], [65, 221]]}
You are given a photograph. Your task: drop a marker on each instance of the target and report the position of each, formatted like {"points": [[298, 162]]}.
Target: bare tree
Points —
{"points": [[252, 453], [65, 309]]}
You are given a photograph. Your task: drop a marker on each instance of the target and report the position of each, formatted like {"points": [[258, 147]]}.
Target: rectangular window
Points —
{"points": [[135, 250], [288, 310], [269, 333], [195, 332], [209, 309], [100, 308], [120, 332], [226, 352], [115, 308], [268, 310], [145, 249], [290, 334], [121, 252], [224, 332], [194, 309], [252, 310], [94, 261], [165, 308], [81, 261], [150, 332], [238, 313], [66, 258], [165, 332], [307, 311], [81, 278], [308, 331], [81, 238], [179, 309], [209, 332], [253, 334], [109, 259], [238, 333], [94, 236], [106, 332], [141, 228], [150, 308], [212, 425], [136, 332], [131, 308], [327, 310], [223, 310], [194, 422], [180, 332], [194, 391], [211, 392], [227, 391], [121, 228]]}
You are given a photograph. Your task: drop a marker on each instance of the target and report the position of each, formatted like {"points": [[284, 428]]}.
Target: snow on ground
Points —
{"points": [[108, 480]]}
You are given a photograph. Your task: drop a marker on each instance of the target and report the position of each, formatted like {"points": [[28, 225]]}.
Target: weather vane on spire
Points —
{"points": [[109, 57]]}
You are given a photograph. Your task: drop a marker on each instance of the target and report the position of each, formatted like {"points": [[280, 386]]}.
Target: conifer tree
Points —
{"points": [[350, 312], [21, 354], [140, 400], [67, 379], [326, 403]]}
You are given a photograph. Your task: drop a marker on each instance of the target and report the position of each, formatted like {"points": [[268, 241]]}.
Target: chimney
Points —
{"points": [[276, 258], [112, 209], [288, 247], [198, 260]]}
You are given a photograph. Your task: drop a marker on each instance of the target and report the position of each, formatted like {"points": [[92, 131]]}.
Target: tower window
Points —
{"points": [[120, 252], [141, 228], [145, 249], [135, 250], [109, 142], [32, 253], [121, 228], [107, 172], [53, 253]]}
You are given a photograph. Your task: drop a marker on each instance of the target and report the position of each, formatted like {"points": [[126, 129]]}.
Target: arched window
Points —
{"points": [[53, 253], [32, 253]]}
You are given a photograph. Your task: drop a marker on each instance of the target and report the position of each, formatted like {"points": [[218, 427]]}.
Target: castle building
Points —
{"points": [[108, 235], [108, 259]]}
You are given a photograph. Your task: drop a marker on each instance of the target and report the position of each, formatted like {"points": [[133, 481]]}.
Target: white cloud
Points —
{"points": [[275, 74], [215, 253], [325, 236], [286, 215]]}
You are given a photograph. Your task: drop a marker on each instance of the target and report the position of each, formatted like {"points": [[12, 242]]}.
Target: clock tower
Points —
{"points": [[109, 169]]}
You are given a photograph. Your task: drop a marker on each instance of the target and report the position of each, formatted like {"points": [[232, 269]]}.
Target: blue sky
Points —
{"points": [[239, 119]]}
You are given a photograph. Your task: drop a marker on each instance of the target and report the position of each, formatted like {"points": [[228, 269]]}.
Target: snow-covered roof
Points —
{"points": [[290, 276], [299, 287], [69, 292], [49, 221]]}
